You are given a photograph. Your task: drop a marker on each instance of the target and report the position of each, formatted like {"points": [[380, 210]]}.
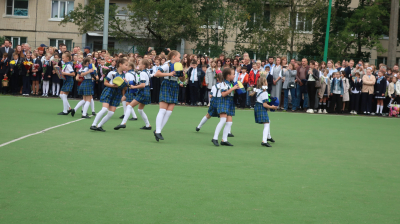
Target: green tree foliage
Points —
{"points": [[353, 32], [144, 22]]}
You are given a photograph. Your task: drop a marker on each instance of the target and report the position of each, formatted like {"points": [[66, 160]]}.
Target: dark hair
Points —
{"points": [[271, 57], [226, 72], [204, 66], [121, 61], [193, 62], [86, 60], [5, 54], [312, 62], [103, 51], [243, 67]]}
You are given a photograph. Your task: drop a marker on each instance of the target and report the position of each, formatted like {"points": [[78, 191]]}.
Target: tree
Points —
{"points": [[145, 22], [352, 31]]}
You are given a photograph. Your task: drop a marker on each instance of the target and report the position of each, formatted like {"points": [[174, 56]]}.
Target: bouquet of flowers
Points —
{"points": [[44, 68], [78, 66], [5, 82], [263, 74], [36, 67], [216, 73], [105, 70], [55, 62], [28, 65], [12, 64], [108, 63]]}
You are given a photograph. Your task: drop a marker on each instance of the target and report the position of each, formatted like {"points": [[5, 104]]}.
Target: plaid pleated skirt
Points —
{"points": [[68, 84], [213, 109], [112, 96], [86, 88], [169, 91], [130, 96], [227, 106], [143, 96], [260, 113]]}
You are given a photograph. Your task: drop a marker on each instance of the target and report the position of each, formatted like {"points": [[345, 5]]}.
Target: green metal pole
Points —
{"points": [[328, 24]]}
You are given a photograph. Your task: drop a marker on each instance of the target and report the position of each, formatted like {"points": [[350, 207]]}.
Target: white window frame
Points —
{"points": [[59, 6], [12, 10], [297, 21], [57, 41]]}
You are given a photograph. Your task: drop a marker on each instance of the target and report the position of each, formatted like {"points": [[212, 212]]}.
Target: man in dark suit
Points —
{"points": [[7, 49], [195, 75]]}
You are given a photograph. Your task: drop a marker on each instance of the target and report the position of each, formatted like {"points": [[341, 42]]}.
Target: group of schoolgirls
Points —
{"points": [[222, 106], [113, 94]]}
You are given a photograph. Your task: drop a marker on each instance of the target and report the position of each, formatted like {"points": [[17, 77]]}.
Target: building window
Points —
{"points": [[259, 19], [56, 42], [303, 23], [16, 41], [61, 8], [17, 7]]}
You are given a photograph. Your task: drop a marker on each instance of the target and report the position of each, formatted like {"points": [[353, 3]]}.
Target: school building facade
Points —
{"points": [[36, 22]]}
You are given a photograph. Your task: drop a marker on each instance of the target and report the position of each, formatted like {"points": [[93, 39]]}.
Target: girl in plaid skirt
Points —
{"points": [[86, 88], [226, 107], [168, 93], [68, 72], [111, 96], [261, 109], [128, 97], [142, 97], [215, 98]]}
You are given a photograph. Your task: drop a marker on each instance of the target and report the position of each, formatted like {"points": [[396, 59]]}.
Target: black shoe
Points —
{"points": [[226, 143], [270, 140], [156, 136], [215, 142], [94, 128], [86, 117], [62, 113], [94, 113], [159, 136], [145, 128], [266, 144], [197, 129], [133, 119], [100, 129], [122, 117], [72, 112], [69, 111], [230, 135], [120, 126]]}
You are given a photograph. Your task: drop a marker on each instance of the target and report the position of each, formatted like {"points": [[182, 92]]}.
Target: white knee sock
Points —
{"points": [[380, 109], [133, 113], [92, 105], [144, 117], [265, 132], [377, 108], [202, 122], [159, 120], [85, 108], [126, 114], [58, 88], [45, 87], [81, 103], [269, 130], [65, 102], [54, 89], [165, 119], [221, 124], [99, 115], [228, 126], [230, 130], [124, 105], [106, 118]]}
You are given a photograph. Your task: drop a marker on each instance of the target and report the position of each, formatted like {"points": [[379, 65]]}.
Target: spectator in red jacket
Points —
{"points": [[253, 77]]}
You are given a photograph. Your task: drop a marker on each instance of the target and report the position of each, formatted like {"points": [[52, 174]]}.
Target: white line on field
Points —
{"points": [[43, 131]]}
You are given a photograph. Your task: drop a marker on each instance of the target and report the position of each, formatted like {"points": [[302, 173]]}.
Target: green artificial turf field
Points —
{"points": [[322, 169]]}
